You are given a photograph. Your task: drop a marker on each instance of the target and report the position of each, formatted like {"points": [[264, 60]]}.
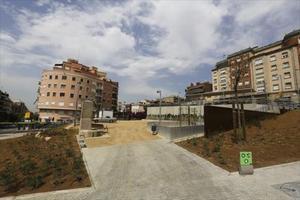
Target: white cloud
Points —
{"points": [[181, 36]]}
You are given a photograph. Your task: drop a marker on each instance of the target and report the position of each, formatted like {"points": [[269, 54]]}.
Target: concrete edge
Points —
{"points": [[32, 195], [270, 167], [85, 164], [188, 137]]}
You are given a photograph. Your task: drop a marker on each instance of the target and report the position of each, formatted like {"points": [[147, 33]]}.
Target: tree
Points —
{"points": [[239, 122]]}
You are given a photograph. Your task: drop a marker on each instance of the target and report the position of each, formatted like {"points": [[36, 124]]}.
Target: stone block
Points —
{"points": [[246, 170], [86, 115]]}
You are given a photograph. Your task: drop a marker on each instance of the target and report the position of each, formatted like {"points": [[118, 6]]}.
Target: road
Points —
{"points": [[158, 169]]}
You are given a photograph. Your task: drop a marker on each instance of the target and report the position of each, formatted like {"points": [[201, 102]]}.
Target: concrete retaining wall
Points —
{"points": [[172, 133]]}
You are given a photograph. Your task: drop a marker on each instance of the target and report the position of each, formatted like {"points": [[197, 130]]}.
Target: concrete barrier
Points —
{"points": [[176, 132]]}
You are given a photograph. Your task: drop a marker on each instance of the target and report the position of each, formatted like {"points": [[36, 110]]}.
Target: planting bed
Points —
{"points": [[272, 141], [29, 164]]}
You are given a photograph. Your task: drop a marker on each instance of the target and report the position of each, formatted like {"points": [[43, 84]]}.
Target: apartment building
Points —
{"points": [[276, 69], [271, 71], [196, 90], [63, 88], [221, 77], [240, 65]]}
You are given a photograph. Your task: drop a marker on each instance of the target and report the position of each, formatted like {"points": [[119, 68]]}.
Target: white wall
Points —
{"points": [[174, 110]]}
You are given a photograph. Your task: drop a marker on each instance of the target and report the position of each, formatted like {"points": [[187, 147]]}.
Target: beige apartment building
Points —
{"points": [[63, 88], [276, 69], [221, 77], [270, 71]]}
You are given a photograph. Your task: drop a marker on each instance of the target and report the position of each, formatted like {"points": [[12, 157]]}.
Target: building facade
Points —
{"points": [[63, 88], [221, 77], [271, 71], [196, 90], [276, 70]]}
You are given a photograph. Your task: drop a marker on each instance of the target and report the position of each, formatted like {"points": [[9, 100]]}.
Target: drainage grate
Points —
{"points": [[292, 189]]}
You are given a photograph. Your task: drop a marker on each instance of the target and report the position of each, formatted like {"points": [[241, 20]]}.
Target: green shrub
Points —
{"points": [[206, 150], [69, 152], [194, 141], [221, 159], [34, 181], [8, 178], [27, 166], [218, 145]]}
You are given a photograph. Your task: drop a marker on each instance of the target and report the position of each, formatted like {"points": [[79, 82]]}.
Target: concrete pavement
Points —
{"points": [[157, 169]]}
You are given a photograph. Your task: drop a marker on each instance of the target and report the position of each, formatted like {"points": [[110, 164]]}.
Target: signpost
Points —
{"points": [[245, 158], [246, 166]]}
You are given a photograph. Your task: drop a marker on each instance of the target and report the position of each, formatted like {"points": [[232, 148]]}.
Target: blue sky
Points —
{"points": [[145, 45]]}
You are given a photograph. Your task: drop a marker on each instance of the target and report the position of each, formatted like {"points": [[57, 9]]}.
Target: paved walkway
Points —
{"points": [[156, 169]]}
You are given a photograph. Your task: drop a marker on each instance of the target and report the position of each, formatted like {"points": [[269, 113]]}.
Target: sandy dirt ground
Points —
{"points": [[122, 132]]}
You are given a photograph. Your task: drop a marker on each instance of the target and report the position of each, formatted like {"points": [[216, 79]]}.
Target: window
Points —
{"points": [[240, 84], [72, 87], [261, 89], [272, 58], [86, 97], [72, 95], [215, 81], [73, 78], [275, 77], [56, 76], [284, 54], [275, 87], [285, 65], [49, 85], [50, 77], [79, 96], [287, 74], [48, 94], [55, 85], [87, 89], [288, 85], [80, 88], [273, 67], [64, 77], [62, 86], [247, 82], [88, 81], [258, 61], [81, 80], [246, 74], [259, 71], [215, 88], [54, 94], [62, 94]]}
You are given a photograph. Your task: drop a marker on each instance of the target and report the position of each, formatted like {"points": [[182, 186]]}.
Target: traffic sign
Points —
{"points": [[245, 158]]}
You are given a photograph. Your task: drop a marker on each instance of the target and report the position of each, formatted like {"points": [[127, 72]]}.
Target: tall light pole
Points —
{"points": [[159, 91]]}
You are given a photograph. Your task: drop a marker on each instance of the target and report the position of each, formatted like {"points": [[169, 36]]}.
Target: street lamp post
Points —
{"points": [[159, 91]]}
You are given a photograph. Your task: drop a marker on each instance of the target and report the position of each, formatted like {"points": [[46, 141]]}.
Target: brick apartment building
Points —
{"points": [[63, 88], [272, 70], [196, 90]]}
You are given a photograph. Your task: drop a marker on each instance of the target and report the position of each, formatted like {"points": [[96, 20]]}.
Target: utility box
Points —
{"points": [[106, 114]]}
